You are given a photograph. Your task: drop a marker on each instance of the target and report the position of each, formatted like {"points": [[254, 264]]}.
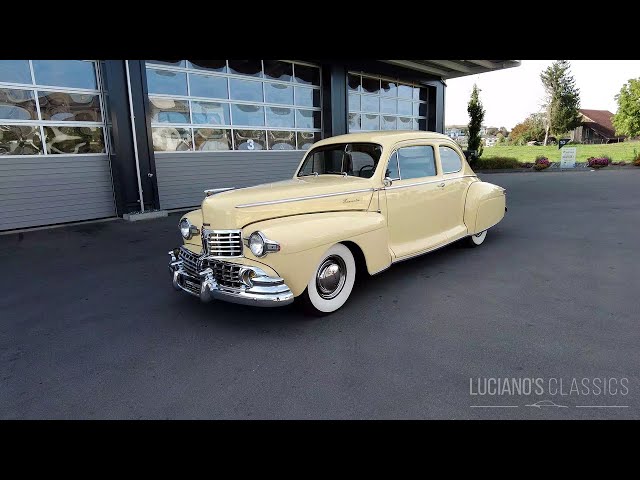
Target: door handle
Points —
{"points": [[441, 185]]}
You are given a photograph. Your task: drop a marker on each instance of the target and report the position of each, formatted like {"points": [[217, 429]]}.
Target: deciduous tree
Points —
{"points": [[627, 119]]}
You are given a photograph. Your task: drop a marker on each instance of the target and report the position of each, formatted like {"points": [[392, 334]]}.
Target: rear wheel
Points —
{"points": [[331, 282], [477, 239]]}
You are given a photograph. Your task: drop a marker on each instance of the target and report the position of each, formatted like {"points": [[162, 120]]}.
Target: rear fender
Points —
{"points": [[484, 206]]}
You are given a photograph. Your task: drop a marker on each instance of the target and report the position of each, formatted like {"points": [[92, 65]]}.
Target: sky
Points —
{"points": [[510, 95]]}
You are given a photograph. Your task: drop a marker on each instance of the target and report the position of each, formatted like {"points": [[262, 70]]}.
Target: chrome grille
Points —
{"points": [[223, 243], [226, 275], [189, 262]]}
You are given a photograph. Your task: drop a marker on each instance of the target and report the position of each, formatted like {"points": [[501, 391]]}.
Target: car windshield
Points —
{"points": [[353, 159]]}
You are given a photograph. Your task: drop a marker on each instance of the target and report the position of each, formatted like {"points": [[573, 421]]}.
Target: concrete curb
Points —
{"points": [[135, 217]]}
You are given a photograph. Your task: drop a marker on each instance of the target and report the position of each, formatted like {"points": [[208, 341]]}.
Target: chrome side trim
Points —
{"points": [[414, 255], [299, 199], [439, 180], [213, 191]]}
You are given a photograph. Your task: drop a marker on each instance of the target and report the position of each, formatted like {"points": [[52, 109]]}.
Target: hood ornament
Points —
{"points": [[213, 191]]}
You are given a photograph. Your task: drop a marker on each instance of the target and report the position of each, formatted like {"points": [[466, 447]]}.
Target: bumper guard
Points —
{"points": [[260, 290]]}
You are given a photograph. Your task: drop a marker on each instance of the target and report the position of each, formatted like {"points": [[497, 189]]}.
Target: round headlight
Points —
{"points": [[185, 228], [256, 244]]}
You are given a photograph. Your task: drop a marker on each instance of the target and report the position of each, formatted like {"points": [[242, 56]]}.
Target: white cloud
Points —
{"points": [[510, 95]]}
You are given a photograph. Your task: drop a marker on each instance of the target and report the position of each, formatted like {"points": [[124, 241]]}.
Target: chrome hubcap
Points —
{"points": [[331, 277]]}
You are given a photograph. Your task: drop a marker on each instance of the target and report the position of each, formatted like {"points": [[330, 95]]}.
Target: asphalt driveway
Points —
{"points": [[91, 327]]}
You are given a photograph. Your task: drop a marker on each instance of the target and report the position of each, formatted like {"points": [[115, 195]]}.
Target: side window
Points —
{"points": [[450, 160], [392, 167], [416, 162]]}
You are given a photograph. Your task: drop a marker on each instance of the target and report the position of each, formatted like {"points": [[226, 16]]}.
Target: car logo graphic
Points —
{"points": [[545, 403]]}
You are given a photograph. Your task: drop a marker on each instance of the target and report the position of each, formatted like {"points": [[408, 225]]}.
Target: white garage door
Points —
{"points": [[54, 165]]}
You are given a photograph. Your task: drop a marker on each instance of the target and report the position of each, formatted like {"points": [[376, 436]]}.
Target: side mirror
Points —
{"points": [[387, 182]]}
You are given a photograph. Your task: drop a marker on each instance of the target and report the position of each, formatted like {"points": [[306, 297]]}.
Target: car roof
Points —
{"points": [[384, 138]]}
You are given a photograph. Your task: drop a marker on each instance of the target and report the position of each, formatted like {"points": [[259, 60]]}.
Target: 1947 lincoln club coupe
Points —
{"points": [[356, 204]]}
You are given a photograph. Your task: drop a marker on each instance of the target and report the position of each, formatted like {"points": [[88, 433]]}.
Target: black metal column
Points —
{"points": [[334, 103], [123, 164]]}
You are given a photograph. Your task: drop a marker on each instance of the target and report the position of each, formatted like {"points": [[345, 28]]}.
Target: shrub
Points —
{"points": [[598, 162], [541, 163], [496, 163], [636, 158], [527, 164]]}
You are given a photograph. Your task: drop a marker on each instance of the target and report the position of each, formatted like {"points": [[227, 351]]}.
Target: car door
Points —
{"points": [[454, 192], [414, 200]]}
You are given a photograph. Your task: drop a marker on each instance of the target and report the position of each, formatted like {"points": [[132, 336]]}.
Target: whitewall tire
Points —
{"points": [[331, 282], [477, 239]]}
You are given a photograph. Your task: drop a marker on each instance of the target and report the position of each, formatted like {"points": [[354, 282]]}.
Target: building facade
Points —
{"points": [[89, 139]]}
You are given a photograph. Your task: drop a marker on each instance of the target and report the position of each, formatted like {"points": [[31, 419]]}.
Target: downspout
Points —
{"points": [[133, 132]]}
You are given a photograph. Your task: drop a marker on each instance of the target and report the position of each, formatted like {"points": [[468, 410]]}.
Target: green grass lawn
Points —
{"points": [[617, 152]]}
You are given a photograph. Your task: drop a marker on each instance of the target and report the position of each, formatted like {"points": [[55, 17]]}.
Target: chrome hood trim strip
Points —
{"points": [[299, 199]]}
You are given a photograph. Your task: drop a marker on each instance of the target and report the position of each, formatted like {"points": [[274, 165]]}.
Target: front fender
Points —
{"points": [[304, 239], [484, 206], [195, 217]]}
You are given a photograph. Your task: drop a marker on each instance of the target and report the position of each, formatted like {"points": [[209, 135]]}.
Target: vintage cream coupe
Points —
{"points": [[356, 204]]}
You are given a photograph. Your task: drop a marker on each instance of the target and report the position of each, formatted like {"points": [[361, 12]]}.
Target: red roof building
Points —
{"points": [[596, 128]]}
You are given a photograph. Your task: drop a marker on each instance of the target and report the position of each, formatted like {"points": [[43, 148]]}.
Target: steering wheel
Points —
{"points": [[370, 167]]}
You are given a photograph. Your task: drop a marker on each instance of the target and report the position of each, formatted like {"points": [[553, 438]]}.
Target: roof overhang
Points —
{"points": [[454, 68]]}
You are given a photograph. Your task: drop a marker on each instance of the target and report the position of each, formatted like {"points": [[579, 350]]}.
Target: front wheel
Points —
{"points": [[477, 239], [331, 282]]}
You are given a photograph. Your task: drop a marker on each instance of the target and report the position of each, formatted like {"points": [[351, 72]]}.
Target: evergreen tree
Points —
{"points": [[562, 99], [476, 117]]}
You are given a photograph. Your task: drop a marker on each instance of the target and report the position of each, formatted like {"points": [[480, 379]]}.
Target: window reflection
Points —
{"points": [[388, 105], [250, 139], [354, 122], [388, 122], [370, 104], [280, 117], [370, 85], [388, 89], [20, 140], [354, 102], [278, 93], [307, 97], [175, 63], [171, 139], [281, 140], [278, 70], [208, 86], [247, 115], [168, 110], [64, 139], [65, 73], [306, 139], [15, 71], [76, 107], [353, 82], [307, 119], [246, 67], [210, 113], [307, 75], [209, 139], [166, 82], [210, 65], [17, 104], [370, 122], [247, 90]]}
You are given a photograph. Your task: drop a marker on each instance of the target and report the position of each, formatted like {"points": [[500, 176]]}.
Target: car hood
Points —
{"points": [[237, 208]]}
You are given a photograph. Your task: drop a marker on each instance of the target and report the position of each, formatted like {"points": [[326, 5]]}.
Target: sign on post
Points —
{"points": [[563, 141], [568, 157]]}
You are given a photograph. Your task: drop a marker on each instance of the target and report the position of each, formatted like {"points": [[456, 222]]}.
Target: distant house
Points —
{"points": [[490, 141], [596, 128]]}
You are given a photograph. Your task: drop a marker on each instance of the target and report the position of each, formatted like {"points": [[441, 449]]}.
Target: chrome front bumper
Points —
{"points": [[261, 290]]}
